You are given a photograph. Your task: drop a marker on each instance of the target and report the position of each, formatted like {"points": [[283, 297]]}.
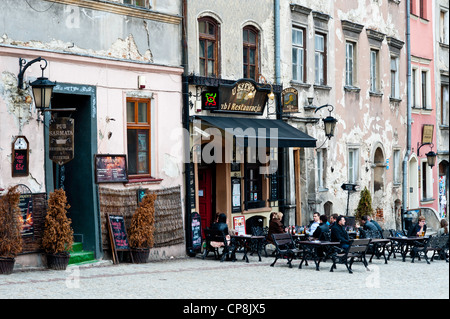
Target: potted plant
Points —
{"points": [[364, 205], [10, 228], [57, 238], [142, 228]]}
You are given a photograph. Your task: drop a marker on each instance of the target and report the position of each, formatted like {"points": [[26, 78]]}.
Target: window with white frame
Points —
{"points": [[350, 63], [443, 27], [425, 89], [397, 166], [139, 3], [414, 90], [427, 181], [353, 165], [374, 77], [395, 84], [320, 57], [298, 55], [321, 168], [444, 105]]}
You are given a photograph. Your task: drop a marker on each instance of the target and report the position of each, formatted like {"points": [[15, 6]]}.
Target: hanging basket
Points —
{"points": [[6, 265], [58, 261], [140, 255]]}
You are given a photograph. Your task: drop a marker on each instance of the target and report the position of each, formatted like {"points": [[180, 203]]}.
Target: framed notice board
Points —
{"points": [[20, 157], [118, 236]]}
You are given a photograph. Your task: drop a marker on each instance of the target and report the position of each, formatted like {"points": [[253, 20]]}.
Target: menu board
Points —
{"points": [[196, 231], [236, 195], [111, 169], [118, 235], [239, 225]]}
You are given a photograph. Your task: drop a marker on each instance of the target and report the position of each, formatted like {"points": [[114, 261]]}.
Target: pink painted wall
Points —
{"points": [[422, 59]]}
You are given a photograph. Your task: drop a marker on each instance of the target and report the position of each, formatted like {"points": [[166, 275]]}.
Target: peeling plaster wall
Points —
{"points": [[365, 121]]}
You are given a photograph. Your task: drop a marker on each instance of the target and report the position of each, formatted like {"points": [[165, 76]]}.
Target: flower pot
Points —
{"points": [[58, 261], [140, 255], [6, 265]]}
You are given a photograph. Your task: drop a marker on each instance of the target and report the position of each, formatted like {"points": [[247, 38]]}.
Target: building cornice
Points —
{"points": [[122, 9]]}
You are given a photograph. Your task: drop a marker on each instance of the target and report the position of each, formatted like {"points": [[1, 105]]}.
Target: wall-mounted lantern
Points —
{"points": [[431, 156]]}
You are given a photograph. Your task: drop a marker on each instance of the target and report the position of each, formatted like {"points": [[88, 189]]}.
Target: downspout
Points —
{"points": [[277, 44], [185, 120], [408, 111]]}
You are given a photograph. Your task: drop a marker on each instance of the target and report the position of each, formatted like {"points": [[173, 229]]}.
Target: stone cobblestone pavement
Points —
{"points": [[196, 278]]}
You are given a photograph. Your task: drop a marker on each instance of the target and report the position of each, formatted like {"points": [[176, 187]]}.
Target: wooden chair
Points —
{"points": [[355, 252], [285, 248]]}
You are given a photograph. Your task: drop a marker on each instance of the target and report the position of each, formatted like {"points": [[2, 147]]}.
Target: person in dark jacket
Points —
{"points": [[338, 232], [221, 224], [275, 226], [323, 228], [418, 229]]}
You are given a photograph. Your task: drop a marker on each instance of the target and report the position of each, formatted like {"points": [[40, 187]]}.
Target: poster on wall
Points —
{"points": [[26, 216], [239, 225], [111, 168], [236, 195], [442, 197]]}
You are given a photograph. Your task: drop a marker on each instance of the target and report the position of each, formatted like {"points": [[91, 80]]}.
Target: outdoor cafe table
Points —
{"points": [[379, 248], [405, 243], [245, 242], [311, 250]]}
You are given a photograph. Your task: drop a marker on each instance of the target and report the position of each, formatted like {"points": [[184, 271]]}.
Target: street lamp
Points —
{"points": [[431, 156], [329, 121], [42, 88]]}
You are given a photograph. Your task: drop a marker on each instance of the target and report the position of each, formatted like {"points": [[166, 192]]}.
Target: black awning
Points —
{"points": [[247, 129]]}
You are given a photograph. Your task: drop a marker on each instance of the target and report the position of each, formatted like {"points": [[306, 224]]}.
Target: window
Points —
{"points": [[353, 165], [427, 182], [396, 166], [321, 156], [349, 63], [298, 55], [320, 54], [395, 89], [251, 60], [444, 105], [443, 27], [425, 90], [374, 86], [138, 3], [413, 7], [423, 9], [138, 136], [208, 43], [413, 87]]}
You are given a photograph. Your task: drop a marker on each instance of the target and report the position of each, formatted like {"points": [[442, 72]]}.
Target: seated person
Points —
{"points": [[418, 228], [323, 228], [221, 225], [368, 225], [373, 221], [339, 234], [314, 224], [443, 230], [275, 226]]}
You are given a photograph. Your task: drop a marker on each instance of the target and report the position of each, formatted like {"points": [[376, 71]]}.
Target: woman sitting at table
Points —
{"points": [[444, 228], [275, 226], [221, 225], [418, 229]]}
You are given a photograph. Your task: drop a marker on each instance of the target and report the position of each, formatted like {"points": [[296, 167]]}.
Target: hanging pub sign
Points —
{"points": [[210, 100], [243, 97], [20, 152], [427, 133], [289, 97], [61, 135]]}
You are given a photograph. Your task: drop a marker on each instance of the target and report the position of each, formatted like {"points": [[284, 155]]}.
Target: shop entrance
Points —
{"points": [[205, 195], [76, 176]]}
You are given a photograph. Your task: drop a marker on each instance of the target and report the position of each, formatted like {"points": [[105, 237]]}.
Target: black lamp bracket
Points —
{"points": [[330, 108], [419, 147], [23, 65]]}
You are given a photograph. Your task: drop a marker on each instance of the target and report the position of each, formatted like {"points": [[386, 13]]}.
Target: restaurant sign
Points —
{"points": [[243, 97], [289, 97], [61, 135]]}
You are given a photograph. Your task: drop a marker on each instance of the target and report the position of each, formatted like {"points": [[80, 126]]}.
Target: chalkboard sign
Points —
{"points": [[273, 187], [196, 231], [20, 152], [117, 235]]}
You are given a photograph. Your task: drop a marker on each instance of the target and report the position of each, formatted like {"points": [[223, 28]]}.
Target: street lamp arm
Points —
{"points": [[23, 67], [326, 105]]}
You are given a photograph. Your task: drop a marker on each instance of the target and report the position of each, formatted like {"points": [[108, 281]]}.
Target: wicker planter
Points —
{"points": [[6, 265], [58, 261], [140, 255]]}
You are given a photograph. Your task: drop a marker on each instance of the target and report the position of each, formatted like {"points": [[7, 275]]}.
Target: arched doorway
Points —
{"points": [[378, 173], [328, 209], [443, 189]]}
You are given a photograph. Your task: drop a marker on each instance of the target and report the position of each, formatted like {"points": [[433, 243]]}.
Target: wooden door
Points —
{"points": [[205, 197]]}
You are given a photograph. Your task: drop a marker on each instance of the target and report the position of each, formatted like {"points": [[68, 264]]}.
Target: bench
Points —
{"points": [[419, 249], [355, 252], [440, 246], [217, 236], [285, 248]]}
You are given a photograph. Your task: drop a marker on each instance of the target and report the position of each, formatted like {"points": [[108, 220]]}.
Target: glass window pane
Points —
{"points": [[210, 68], [210, 50], [130, 112], [252, 72], [142, 163], [142, 113], [245, 56], [245, 35], [202, 48], [211, 29], [202, 26], [319, 43], [132, 151], [252, 56], [294, 56], [252, 37], [202, 67]]}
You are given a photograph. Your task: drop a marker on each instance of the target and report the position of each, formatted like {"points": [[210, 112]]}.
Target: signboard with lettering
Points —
{"points": [[427, 133], [117, 235], [61, 135], [110, 168], [289, 98], [210, 100], [20, 152], [196, 231], [243, 97]]}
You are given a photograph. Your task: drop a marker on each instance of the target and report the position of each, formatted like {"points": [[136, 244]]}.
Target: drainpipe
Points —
{"points": [[408, 110], [185, 120], [277, 43]]}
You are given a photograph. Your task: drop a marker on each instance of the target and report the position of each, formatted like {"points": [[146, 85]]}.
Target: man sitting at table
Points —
{"points": [[320, 231], [338, 232], [418, 228], [314, 225]]}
